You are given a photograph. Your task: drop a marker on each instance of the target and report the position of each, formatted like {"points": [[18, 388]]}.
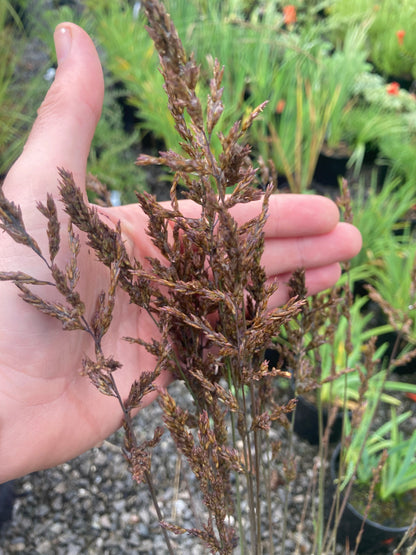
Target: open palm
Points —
{"points": [[49, 413]]}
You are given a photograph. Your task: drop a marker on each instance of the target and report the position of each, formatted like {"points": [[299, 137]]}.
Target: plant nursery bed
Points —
{"points": [[388, 513], [91, 505]]}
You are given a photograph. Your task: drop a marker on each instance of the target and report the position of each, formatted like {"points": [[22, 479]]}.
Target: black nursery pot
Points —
{"points": [[376, 538], [329, 168], [7, 496], [395, 343], [391, 338], [306, 424]]}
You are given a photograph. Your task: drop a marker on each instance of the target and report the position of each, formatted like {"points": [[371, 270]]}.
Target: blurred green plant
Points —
{"points": [[373, 89], [393, 288], [382, 119], [17, 98], [342, 359], [297, 72], [216, 27], [399, 152], [114, 151], [316, 84], [392, 41], [378, 213], [129, 56], [116, 144], [336, 357], [307, 81], [385, 447], [365, 128], [391, 38]]}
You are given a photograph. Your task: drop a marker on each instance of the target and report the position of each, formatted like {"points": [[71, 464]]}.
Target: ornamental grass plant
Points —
{"points": [[380, 213], [308, 84], [366, 449], [207, 295], [208, 301], [327, 357], [391, 40], [16, 98], [311, 74]]}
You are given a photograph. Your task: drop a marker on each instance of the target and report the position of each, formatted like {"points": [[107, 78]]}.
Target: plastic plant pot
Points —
{"points": [[376, 538]]}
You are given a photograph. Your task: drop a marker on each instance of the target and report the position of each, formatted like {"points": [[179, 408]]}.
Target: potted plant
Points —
{"points": [[379, 213], [392, 288], [381, 125], [330, 353], [374, 477], [391, 40], [313, 102], [306, 81]]}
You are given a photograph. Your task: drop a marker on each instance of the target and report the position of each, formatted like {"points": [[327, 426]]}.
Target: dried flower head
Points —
{"points": [[208, 298]]}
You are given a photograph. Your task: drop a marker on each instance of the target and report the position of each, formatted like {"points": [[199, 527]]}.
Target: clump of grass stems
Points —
{"points": [[207, 294], [208, 300]]}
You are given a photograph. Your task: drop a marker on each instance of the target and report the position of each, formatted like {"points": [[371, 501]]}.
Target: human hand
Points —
{"points": [[49, 413]]}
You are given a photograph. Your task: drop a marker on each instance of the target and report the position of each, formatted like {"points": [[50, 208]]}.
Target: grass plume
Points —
{"points": [[209, 298]]}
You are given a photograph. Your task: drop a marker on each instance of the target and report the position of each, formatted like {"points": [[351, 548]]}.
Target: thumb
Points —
{"points": [[62, 133]]}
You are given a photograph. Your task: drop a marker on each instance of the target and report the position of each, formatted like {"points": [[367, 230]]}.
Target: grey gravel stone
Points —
{"points": [[91, 505]]}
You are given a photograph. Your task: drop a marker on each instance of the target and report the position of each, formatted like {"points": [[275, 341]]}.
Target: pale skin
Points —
{"points": [[49, 413]]}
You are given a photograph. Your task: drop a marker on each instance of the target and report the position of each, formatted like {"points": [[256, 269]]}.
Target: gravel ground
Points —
{"points": [[91, 505]]}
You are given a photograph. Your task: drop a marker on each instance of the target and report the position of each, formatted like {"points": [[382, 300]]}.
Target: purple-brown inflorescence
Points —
{"points": [[206, 292]]}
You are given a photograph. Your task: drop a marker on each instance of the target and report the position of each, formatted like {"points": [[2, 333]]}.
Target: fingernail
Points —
{"points": [[63, 41]]}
